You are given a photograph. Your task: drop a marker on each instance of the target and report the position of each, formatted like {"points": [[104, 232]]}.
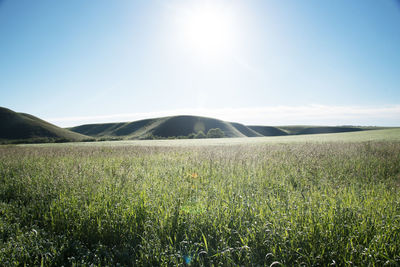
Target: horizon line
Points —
{"points": [[321, 115]]}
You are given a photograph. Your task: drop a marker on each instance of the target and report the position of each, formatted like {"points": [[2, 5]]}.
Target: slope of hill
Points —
{"points": [[321, 130], [184, 125], [247, 131], [164, 127], [268, 130], [302, 129], [22, 127]]}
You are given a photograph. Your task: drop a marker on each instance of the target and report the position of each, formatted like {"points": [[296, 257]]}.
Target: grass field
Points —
{"points": [[313, 200]]}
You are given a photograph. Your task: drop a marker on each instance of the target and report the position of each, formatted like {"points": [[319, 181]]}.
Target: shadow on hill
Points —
{"points": [[268, 130], [323, 130], [131, 127], [19, 126], [185, 125], [245, 130], [96, 129]]}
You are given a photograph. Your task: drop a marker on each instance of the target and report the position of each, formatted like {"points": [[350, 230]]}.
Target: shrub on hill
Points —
{"points": [[200, 135], [215, 133], [212, 133]]}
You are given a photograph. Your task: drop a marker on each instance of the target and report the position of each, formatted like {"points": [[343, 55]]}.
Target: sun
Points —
{"points": [[208, 29]]}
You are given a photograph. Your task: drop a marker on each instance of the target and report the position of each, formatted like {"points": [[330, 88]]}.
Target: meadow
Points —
{"points": [[314, 200]]}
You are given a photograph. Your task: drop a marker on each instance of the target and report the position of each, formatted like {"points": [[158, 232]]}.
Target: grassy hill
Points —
{"points": [[21, 127], [268, 130], [184, 125], [25, 128], [164, 127], [304, 129], [323, 130], [247, 131]]}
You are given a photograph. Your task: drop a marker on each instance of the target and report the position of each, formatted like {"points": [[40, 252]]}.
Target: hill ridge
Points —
{"points": [[183, 125], [23, 127]]}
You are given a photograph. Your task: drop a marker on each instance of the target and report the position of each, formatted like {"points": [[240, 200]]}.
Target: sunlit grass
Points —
{"points": [[363, 136], [289, 203]]}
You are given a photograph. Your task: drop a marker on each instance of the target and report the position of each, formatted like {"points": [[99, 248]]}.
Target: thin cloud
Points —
{"points": [[276, 115]]}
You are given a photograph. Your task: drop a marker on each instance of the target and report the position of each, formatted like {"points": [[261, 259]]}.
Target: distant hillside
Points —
{"points": [[25, 128], [268, 130], [21, 127], [245, 130], [121, 129], [185, 125], [175, 126], [164, 127], [319, 129]]}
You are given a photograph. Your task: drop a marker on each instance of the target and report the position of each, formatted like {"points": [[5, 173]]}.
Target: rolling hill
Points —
{"points": [[268, 130], [184, 125], [164, 127], [25, 128], [302, 129], [22, 127], [323, 130]]}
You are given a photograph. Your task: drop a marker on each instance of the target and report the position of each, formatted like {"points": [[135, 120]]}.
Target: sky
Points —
{"points": [[255, 62]]}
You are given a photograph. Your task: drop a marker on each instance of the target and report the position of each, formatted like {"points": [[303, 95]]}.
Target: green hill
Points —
{"points": [[21, 127], [164, 127], [322, 130], [302, 129], [24, 128], [247, 131], [184, 125], [268, 130]]}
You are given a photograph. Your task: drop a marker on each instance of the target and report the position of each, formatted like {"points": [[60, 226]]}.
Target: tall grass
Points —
{"points": [[289, 204]]}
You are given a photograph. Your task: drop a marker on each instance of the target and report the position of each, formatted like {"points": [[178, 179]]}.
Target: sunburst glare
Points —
{"points": [[208, 29]]}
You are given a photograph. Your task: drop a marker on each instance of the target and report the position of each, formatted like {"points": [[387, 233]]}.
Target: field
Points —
{"points": [[299, 200]]}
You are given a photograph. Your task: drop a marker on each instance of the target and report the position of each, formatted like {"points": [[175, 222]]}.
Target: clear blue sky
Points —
{"points": [[259, 62]]}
